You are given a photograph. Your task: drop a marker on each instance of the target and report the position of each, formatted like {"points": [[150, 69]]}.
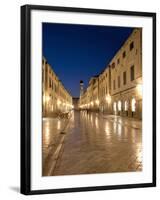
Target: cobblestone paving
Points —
{"points": [[98, 143]]}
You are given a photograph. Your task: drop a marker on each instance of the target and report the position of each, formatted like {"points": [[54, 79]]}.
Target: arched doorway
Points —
{"points": [[119, 107], [133, 106], [126, 107], [115, 108]]}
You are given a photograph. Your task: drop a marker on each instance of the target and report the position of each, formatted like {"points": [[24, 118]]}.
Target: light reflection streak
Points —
{"points": [[96, 122], [119, 129], [47, 134], [59, 125], [114, 126], [91, 119], [107, 130]]}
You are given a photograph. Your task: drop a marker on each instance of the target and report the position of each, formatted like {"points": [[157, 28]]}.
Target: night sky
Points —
{"points": [[78, 52]]}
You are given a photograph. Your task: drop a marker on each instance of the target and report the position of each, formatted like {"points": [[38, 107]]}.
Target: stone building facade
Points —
{"points": [[56, 98], [118, 89]]}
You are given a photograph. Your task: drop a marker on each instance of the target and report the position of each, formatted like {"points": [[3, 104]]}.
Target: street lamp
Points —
{"points": [[97, 102], [139, 89], [46, 98], [108, 98], [58, 102]]}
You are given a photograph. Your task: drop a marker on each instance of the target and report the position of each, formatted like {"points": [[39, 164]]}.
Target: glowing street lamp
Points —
{"points": [[97, 102], [46, 98], [108, 98], [139, 89], [58, 102]]}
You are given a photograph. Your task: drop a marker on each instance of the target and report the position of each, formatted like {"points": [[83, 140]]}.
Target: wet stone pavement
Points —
{"points": [[51, 137], [96, 143]]}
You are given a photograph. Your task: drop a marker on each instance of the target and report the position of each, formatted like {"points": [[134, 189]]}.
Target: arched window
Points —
{"points": [[133, 104], [119, 105]]}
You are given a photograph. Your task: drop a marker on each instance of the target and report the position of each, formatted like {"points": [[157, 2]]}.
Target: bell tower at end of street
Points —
{"points": [[81, 88]]}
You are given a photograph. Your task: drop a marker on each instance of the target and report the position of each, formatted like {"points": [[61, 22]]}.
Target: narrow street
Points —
{"points": [[96, 143]]}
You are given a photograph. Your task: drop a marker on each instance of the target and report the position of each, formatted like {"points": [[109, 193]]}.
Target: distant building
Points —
{"points": [[56, 98], [75, 101], [118, 89]]}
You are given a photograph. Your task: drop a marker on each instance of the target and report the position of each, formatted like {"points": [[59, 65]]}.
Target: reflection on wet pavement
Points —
{"points": [[50, 137], [99, 144]]}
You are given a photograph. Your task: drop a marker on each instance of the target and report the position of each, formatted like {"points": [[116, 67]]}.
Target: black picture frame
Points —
{"points": [[26, 98]]}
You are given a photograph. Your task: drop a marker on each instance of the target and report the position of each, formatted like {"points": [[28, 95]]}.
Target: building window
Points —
{"points": [[114, 84], [132, 72], [124, 78], [131, 46], [124, 54], [50, 84], [118, 60], [119, 82], [113, 65]]}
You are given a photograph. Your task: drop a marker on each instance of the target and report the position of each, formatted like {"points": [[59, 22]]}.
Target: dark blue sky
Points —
{"points": [[78, 52]]}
